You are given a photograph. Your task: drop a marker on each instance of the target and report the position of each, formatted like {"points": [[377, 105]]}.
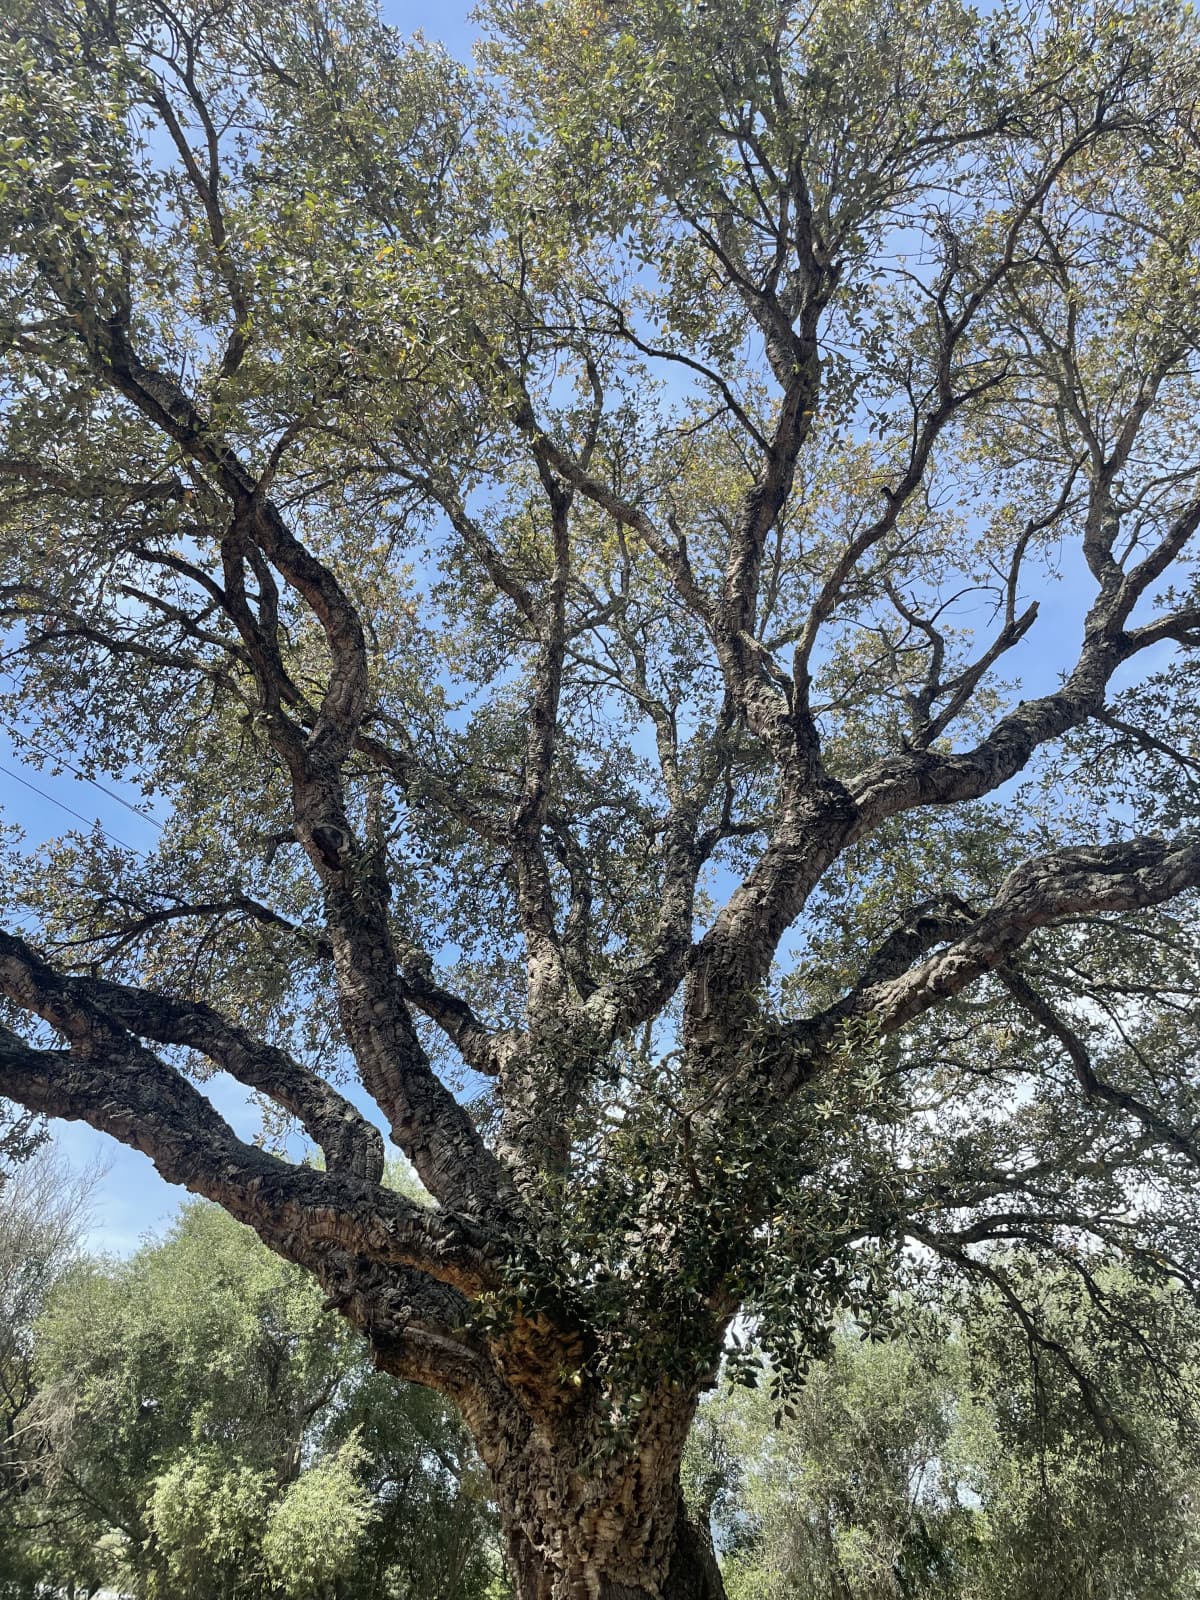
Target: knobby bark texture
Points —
{"points": [[618, 1529], [691, 1572], [694, 691]]}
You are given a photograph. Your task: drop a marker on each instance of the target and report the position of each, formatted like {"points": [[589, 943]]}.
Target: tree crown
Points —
{"points": [[564, 542]]}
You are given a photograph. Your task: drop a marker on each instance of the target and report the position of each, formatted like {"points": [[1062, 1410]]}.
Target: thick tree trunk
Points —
{"points": [[586, 1517], [588, 1494], [621, 1569]]}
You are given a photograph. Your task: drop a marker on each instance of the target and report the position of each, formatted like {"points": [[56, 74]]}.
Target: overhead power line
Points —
{"points": [[112, 794], [89, 822], [83, 777]]}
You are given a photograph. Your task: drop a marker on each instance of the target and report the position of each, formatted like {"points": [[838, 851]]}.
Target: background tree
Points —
{"points": [[946, 1464], [857, 1493], [552, 543], [206, 1432], [21, 1134], [43, 1208]]}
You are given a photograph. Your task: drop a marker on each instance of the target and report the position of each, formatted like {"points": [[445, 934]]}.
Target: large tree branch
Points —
{"points": [[113, 1082], [923, 777], [417, 1326], [1129, 876], [425, 1119], [350, 1143]]}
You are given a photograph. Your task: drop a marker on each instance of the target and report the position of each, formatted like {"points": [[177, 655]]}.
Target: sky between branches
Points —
{"points": [[131, 1200]]}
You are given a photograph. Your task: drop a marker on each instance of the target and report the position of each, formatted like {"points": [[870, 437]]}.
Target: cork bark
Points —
{"points": [[242, 594]]}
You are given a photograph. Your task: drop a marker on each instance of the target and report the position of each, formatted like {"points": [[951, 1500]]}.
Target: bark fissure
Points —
{"points": [[571, 707]]}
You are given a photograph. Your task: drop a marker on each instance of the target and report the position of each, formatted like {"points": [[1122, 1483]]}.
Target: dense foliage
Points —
{"points": [[958, 1463], [652, 588], [201, 1429], [42, 1211]]}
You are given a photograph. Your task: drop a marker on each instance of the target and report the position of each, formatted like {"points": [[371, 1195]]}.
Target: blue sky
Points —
{"points": [[130, 1199], [450, 23]]}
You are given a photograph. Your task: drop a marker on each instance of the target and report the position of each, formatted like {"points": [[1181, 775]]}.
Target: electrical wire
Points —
{"points": [[89, 822], [143, 816], [82, 776]]}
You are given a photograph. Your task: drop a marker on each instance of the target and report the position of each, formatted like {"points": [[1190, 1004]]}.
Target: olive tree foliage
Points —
{"points": [[954, 1462], [202, 1428], [652, 585]]}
